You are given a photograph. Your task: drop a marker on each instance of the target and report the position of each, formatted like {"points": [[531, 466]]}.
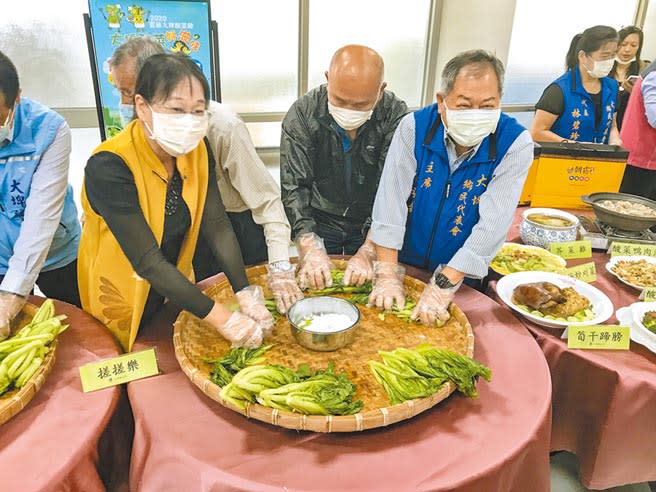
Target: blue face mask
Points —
{"points": [[126, 113], [7, 129]]}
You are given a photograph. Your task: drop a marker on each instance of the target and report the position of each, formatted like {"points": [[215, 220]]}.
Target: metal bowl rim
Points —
{"points": [[357, 319]]}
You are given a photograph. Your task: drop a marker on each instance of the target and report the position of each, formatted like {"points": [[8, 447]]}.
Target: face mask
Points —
{"points": [[126, 113], [617, 59], [7, 130], [177, 134], [349, 119], [600, 68], [468, 127]]}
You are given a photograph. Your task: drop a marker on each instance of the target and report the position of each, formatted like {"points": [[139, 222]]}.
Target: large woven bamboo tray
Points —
{"points": [[12, 402], [195, 341]]}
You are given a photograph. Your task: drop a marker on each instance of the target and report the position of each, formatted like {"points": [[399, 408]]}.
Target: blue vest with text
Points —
{"points": [[578, 119], [35, 128], [443, 206]]}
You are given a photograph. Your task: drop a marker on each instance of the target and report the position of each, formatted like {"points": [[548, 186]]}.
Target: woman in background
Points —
{"points": [[148, 194], [628, 66], [579, 106]]}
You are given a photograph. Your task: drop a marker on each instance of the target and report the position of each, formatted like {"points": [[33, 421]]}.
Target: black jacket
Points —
{"points": [[312, 163]]}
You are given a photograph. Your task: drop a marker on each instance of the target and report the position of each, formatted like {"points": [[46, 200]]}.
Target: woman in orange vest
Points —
{"points": [[148, 194]]}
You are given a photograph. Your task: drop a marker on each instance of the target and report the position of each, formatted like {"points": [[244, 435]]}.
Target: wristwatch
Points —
{"points": [[282, 266], [443, 282]]}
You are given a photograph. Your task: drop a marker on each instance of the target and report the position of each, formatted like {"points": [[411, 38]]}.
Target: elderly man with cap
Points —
{"points": [[332, 150], [448, 193], [249, 192]]}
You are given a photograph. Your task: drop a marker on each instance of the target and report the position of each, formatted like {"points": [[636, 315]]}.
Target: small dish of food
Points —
{"points": [[640, 317], [638, 272], [542, 226], [554, 300], [513, 257], [323, 323]]}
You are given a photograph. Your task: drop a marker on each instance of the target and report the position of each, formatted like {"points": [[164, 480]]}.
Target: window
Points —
{"points": [[258, 46], [541, 35], [46, 42], [649, 47], [398, 34]]}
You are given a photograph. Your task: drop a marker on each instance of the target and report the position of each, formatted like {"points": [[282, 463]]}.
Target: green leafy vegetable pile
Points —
{"points": [[301, 391], [407, 374], [234, 361]]}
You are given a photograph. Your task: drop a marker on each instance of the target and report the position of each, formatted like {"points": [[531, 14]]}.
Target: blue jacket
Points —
{"points": [[443, 207], [578, 119], [35, 128]]}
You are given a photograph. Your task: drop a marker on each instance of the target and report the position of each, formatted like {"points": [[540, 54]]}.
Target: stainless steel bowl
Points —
{"points": [[621, 221], [322, 342]]}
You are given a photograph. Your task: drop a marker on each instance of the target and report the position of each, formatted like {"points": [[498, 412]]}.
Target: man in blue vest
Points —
{"points": [[449, 188], [39, 229]]}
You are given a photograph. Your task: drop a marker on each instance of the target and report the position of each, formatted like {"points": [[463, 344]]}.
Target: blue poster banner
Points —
{"points": [[180, 26]]}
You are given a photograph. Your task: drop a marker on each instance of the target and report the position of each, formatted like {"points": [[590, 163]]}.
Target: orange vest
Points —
{"points": [[110, 289]]}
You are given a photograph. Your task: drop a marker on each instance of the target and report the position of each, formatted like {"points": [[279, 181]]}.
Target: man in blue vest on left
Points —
{"points": [[39, 229], [449, 188]]}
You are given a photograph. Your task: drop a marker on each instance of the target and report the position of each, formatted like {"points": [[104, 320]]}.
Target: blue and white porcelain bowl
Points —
{"points": [[541, 235]]}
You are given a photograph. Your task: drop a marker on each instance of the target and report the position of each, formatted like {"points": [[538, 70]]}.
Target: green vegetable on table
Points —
{"points": [[408, 374], [234, 361], [649, 320], [22, 355]]}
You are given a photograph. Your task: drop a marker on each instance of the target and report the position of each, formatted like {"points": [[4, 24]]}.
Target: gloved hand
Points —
{"points": [[360, 267], [388, 286], [10, 306], [433, 304], [283, 286], [314, 264], [242, 331], [251, 303]]}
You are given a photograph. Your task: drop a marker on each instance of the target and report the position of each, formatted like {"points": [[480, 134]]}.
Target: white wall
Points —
{"points": [[472, 24], [649, 48]]}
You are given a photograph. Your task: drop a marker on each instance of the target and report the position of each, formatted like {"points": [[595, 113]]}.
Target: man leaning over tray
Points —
{"points": [[449, 188]]}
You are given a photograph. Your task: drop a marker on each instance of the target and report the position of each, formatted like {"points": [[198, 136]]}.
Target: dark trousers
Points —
{"points": [[60, 284], [639, 181], [251, 242], [340, 241]]}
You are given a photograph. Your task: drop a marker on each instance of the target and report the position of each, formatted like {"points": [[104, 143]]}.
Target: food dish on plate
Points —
{"points": [[547, 300], [637, 272], [649, 321], [521, 258], [628, 208], [550, 220], [634, 316]]}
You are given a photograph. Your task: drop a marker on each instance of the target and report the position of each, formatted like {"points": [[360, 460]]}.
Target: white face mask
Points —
{"points": [[600, 68], [349, 119], [622, 62], [126, 113], [468, 127], [7, 129], [178, 134]]}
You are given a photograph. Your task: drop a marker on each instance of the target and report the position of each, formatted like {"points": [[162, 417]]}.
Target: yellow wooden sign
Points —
{"points": [[606, 337], [587, 272], [118, 370], [649, 294], [631, 249], [572, 249]]}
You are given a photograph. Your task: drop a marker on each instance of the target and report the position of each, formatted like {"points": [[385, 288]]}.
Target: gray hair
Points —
{"points": [[482, 58], [140, 49]]}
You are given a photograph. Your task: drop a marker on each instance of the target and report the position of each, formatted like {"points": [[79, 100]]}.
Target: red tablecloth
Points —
{"points": [[499, 442], [604, 401], [52, 445]]}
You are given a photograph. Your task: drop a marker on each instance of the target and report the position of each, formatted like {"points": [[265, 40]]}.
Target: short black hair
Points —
{"points": [[8, 79], [161, 73], [588, 41]]}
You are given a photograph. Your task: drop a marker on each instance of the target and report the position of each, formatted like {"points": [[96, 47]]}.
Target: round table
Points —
{"points": [[498, 442], [604, 401], [53, 444]]}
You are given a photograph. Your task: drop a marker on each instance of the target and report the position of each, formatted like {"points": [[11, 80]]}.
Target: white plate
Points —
{"points": [[615, 259], [530, 249], [601, 305], [631, 316]]}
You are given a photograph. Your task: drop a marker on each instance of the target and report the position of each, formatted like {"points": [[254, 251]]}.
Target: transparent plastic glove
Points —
{"points": [[242, 331], [251, 303], [314, 264], [360, 267], [433, 305], [283, 286], [10, 306], [388, 286]]}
